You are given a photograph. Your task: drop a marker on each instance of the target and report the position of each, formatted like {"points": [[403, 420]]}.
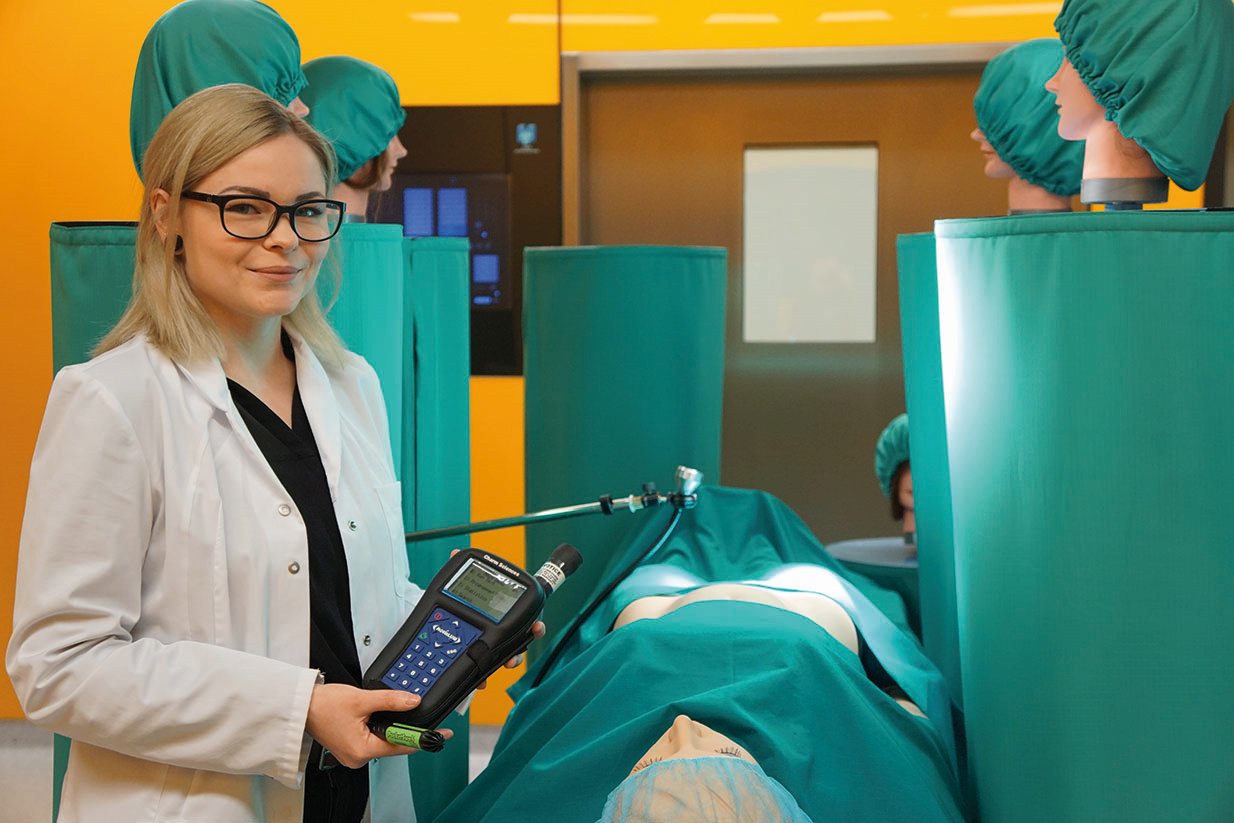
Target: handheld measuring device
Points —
{"points": [[476, 614]]}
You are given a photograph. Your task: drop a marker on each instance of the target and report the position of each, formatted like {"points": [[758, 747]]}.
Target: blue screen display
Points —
{"points": [[452, 212], [484, 269], [417, 212]]}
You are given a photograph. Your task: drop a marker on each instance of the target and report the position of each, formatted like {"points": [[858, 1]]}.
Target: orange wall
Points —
{"points": [[64, 136]]}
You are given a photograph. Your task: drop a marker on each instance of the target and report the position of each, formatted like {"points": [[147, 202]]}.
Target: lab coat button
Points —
{"points": [[285, 510], [294, 568], [351, 524], [368, 640]]}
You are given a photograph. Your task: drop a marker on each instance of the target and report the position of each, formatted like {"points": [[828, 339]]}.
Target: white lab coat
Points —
{"points": [[162, 607]]}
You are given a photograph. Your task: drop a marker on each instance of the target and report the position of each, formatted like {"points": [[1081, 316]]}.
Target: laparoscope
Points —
{"points": [[478, 611]]}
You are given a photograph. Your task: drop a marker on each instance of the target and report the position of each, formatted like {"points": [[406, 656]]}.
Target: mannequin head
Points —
{"points": [[356, 105], [1162, 74], [1017, 129], [202, 43], [891, 465]]}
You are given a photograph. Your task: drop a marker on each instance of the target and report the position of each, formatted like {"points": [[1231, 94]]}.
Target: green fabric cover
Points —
{"points": [[1163, 69], [368, 311], [1019, 118], [355, 105], [890, 451], [91, 282], [624, 365], [776, 683], [923, 393], [436, 452], [1088, 381], [202, 43]]}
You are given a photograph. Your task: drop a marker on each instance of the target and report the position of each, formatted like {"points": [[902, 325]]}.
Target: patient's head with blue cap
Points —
{"points": [[695, 774]]}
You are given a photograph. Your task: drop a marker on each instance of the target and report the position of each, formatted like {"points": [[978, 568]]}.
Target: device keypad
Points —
{"points": [[439, 642]]}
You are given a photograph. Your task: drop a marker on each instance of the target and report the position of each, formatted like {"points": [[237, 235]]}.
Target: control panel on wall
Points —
{"points": [[491, 174], [475, 206]]}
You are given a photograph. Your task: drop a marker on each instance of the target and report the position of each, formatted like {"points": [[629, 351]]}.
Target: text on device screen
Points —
{"points": [[484, 589]]}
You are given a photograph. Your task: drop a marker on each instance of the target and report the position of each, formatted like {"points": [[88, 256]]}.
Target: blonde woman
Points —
{"points": [[212, 549]]}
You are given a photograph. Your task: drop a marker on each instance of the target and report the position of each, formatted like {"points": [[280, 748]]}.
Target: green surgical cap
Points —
{"points": [[355, 105], [891, 451], [1019, 118], [1163, 69], [204, 43]]}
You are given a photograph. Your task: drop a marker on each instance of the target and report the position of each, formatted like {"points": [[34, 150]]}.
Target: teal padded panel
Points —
{"points": [[923, 393], [624, 364], [91, 283], [368, 310], [1088, 378], [436, 451]]}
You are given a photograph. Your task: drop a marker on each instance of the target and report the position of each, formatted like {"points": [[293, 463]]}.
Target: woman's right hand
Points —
{"points": [[338, 719]]}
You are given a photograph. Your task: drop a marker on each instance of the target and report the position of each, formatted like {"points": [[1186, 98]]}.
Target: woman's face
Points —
{"points": [[394, 152], [1078, 110], [994, 165], [689, 738], [245, 283]]}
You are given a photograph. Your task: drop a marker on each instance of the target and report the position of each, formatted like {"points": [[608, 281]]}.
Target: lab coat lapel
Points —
{"points": [[321, 407]]}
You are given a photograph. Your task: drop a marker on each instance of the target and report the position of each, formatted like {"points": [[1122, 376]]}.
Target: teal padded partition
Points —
{"points": [[436, 452], [368, 310], [923, 393], [624, 364], [91, 282], [1089, 378]]}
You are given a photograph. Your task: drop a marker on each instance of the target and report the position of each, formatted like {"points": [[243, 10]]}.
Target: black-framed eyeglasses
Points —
{"points": [[252, 218]]}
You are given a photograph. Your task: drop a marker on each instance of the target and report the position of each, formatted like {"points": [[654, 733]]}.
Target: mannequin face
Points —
{"points": [[1078, 110], [904, 491], [394, 151], [995, 167], [689, 738]]}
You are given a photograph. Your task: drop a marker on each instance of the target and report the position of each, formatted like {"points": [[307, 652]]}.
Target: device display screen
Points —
{"points": [[484, 589]]}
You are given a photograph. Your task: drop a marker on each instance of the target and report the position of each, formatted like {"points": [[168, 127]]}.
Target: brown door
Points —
{"points": [[661, 161]]}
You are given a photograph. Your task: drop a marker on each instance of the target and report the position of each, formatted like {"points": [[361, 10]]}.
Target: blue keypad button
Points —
{"points": [[402, 664], [392, 675]]}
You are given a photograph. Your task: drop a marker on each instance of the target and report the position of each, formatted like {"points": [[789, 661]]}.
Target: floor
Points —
{"points": [[26, 758]]}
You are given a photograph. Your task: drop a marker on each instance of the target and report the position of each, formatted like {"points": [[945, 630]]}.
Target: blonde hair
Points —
{"points": [[202, 134]]}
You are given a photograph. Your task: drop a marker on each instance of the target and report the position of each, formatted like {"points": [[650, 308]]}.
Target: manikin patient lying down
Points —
{"points": [[816, 607], [741, 675]]}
